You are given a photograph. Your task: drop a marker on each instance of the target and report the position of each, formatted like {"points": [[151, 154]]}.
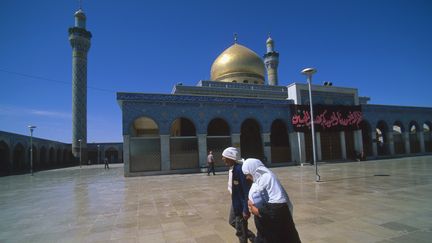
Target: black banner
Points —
{"points": [[327, 117]]}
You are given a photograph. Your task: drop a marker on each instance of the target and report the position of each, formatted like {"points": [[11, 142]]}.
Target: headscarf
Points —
{"points": [[264, 179], [231, 153]]}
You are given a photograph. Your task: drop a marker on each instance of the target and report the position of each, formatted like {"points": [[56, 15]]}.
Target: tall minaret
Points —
{"points": [[271, 60], [79, 39]]}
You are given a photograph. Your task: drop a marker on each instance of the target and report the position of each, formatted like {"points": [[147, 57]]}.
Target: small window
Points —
{"points": [[255, 82], [246, 81], [234, 81]]}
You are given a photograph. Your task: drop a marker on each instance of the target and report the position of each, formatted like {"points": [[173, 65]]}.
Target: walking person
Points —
{"points": [[239, 188], [270, 205], [106, 163], [210, 162]]}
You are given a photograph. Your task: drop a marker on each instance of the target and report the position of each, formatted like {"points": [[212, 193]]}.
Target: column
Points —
{"points": [[126, 161], [165, 152], [374, 144], [390, 142], [405, 136], [235, 141], [299, 146], [343, 144], [318, 146], [202, 150], [420, 136], [267, 146], [358, 140], [294, 146]]}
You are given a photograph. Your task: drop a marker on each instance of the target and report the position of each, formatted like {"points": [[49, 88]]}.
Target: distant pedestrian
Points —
{"points": [[106, 163], [210, 163]]}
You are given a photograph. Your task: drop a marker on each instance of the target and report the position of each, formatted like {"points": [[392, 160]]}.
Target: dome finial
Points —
{"points": [[235, 38], [80, 4]]}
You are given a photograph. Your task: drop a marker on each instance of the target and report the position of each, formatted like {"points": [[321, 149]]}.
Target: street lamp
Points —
{"points": [[309, 72], [98, 146], [80, 141], [31, 147]]}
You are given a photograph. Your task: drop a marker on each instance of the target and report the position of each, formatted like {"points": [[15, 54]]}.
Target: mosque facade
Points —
{"points": [[172, 133]]}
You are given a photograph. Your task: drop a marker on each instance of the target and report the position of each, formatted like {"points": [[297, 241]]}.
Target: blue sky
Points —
{"points": [[381, 47]]}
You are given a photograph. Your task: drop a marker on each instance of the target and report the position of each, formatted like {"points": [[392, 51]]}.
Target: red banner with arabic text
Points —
{"points": [[327, 117]]}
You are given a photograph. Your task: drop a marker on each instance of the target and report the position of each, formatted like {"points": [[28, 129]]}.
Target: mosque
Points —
{"points": [[237, 106], [172, 133]]}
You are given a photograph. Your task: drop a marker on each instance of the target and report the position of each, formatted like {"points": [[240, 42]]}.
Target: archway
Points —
{"points": [[366, 137], [280, 147], [111, 154], [250, 140], [183, 145], [52, 157], [145, 148], [42, 158], [399, 144], [413, 137], [59, 157], [19, 158], [4, 159], [381, 138], [218, 138], [66, 157], [427, 134], [330, 145]]}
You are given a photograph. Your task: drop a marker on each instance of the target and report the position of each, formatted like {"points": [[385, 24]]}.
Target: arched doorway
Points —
{"points": [[399, 144], [250, 140], [19, 158], [366, 137], [280, 147], [427, 134], [218, 138], [111, 154], [42, 158], [413, 137], [52, 157], [183, 145], [145, 148], [4, 159], [381, 138], [59, 157], [330, 145]]}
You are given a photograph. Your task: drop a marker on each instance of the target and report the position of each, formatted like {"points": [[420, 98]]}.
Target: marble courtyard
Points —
{"points": [[372, 201]]}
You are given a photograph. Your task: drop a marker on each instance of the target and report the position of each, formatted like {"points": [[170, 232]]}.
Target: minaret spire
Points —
{"points": [[271, 61], [235, 38]]}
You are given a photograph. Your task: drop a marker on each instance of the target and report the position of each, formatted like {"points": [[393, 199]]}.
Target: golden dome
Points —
{"points": [[238, 64]]}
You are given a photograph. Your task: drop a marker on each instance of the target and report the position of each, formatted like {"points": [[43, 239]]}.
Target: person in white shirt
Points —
{"points": [[270, 205]]}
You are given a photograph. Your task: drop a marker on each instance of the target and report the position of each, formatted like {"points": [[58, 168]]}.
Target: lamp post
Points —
{"points": [[309, 72], [31, 147], [80, 141], [98, 146]]}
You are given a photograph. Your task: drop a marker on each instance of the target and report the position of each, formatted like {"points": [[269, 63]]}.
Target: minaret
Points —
{"points": [[271, 61], [79, 39]]}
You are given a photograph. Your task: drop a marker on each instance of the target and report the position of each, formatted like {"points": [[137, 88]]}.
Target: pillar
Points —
{"points": [[165, 152], [405, 136], [298, 149], [358, 140], [318, 146], [202, 150], [420, 136], [294, 146], [267, 147], [126, 155], [390, 142], [374, 144], [235, 141], [343, 144]]}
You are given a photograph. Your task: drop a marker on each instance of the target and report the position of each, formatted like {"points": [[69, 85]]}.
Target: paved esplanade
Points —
{"points": [[356, 203]]}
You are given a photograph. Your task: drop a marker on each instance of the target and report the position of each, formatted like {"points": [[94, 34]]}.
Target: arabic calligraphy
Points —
{"points": [[327, 119]]}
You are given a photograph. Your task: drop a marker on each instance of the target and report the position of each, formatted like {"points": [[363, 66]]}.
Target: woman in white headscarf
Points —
{"points": [[270, 204]]}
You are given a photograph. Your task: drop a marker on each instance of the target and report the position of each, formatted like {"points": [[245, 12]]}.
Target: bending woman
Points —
{"points": [[270, 204]]}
